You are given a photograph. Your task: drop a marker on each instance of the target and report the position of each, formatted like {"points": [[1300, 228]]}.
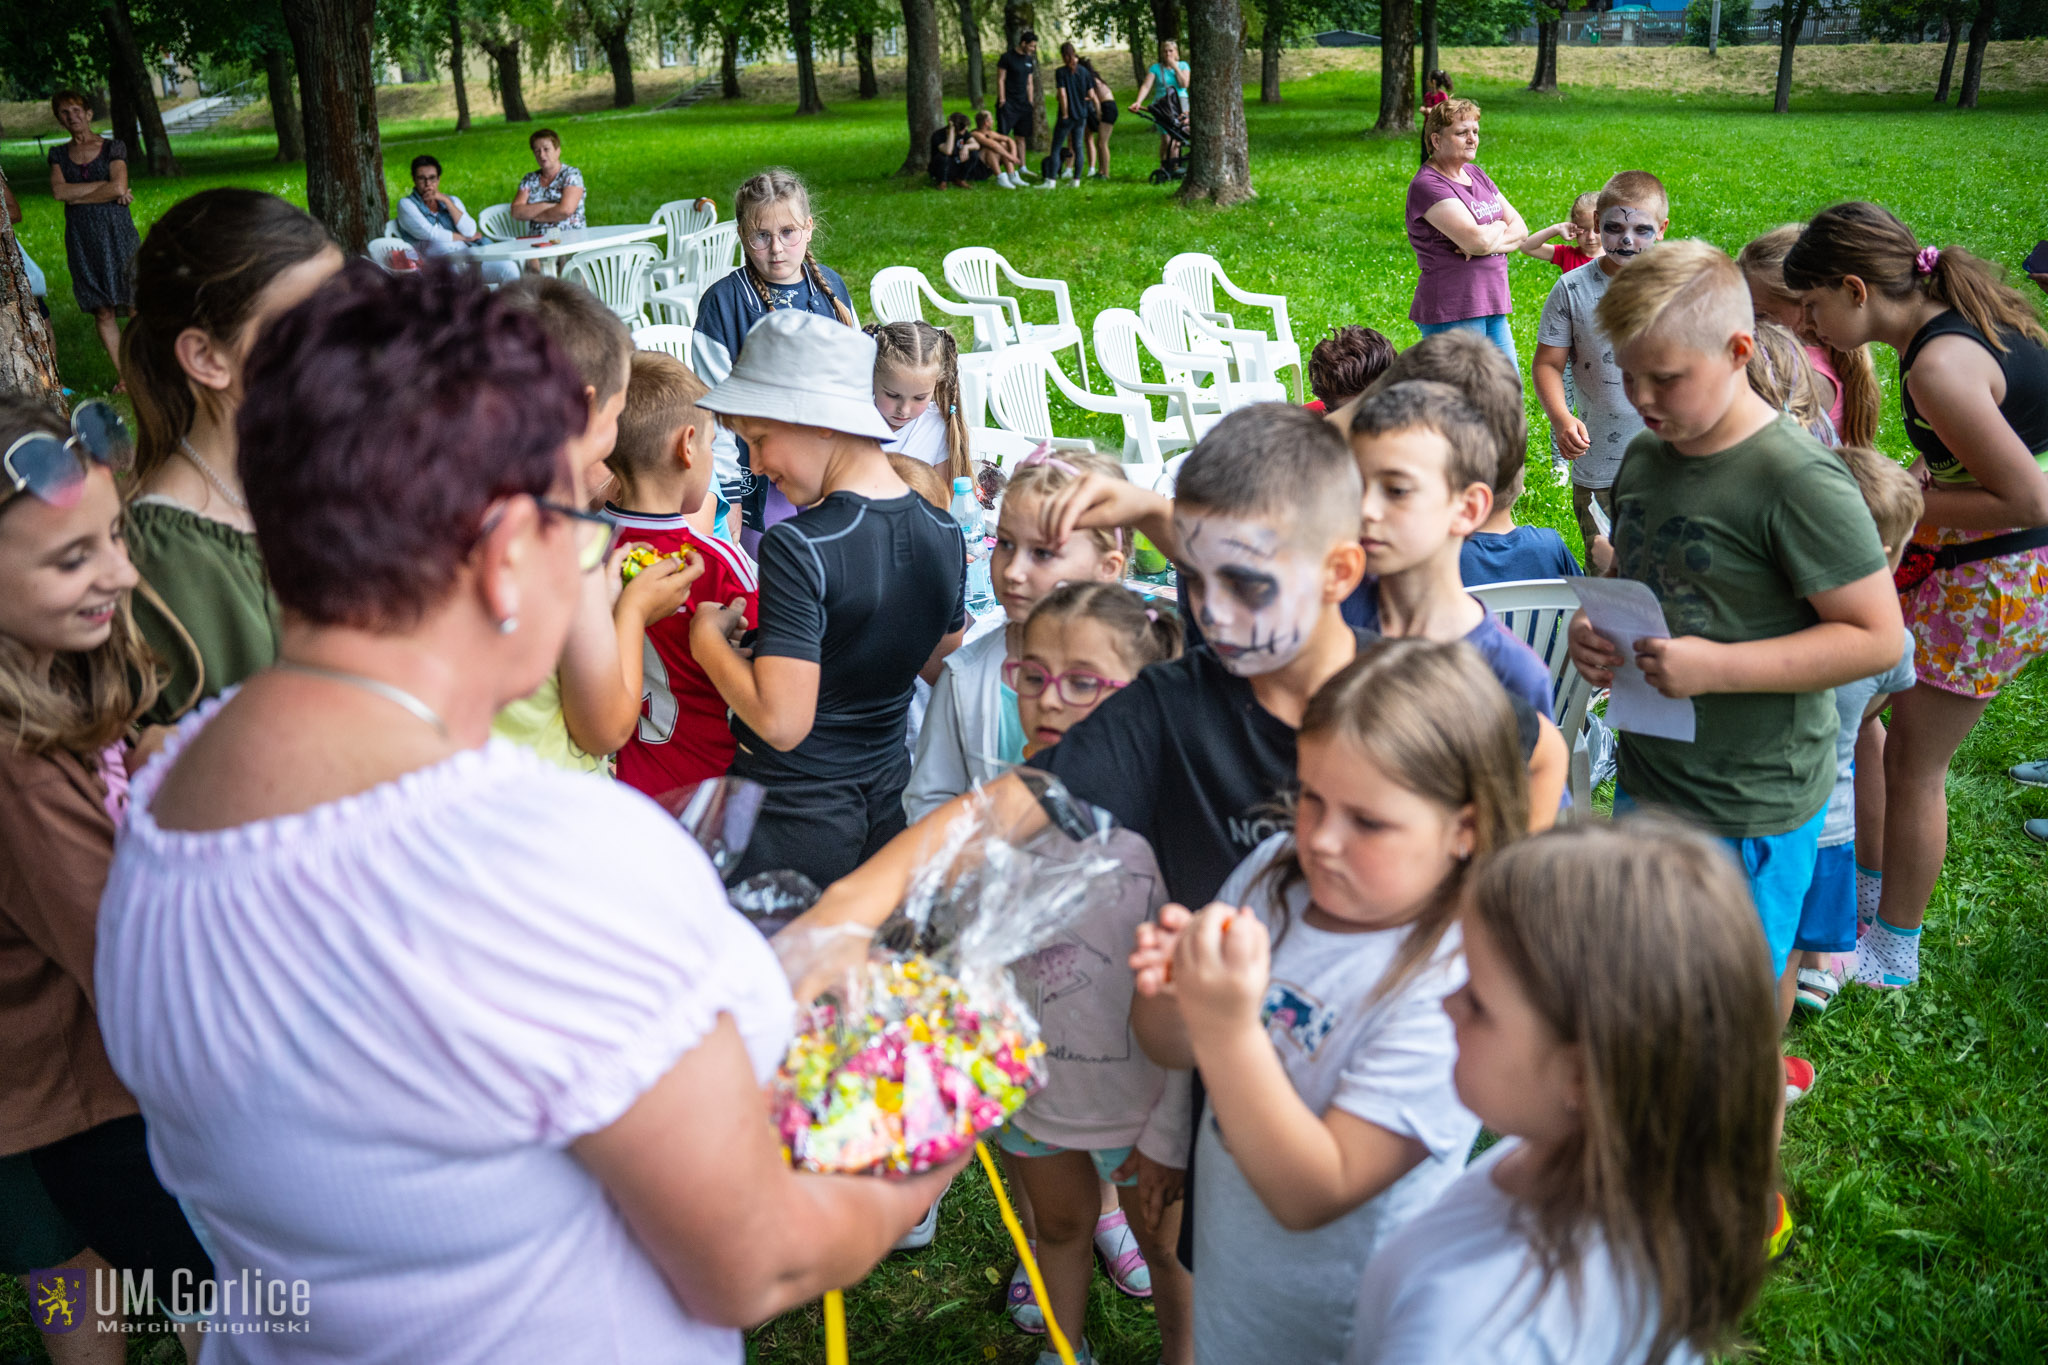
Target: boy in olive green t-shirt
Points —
{"points": [[1758, 545]]}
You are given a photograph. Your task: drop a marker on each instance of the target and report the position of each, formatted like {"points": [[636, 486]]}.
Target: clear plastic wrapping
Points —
{"points": [[927, 1044]]}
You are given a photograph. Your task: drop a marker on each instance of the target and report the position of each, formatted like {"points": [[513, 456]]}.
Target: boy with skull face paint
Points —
{"points": [[1632, 213]]}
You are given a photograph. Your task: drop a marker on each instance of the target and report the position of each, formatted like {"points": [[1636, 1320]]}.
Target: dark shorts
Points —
{"points": [[825, 829], [1013, 120], [1107, 114], [34, 1235], [973, 170], [102, 1183]]}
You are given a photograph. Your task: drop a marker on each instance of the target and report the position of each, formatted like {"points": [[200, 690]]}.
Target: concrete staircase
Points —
{"points": [[683, 99], [202, 114]]}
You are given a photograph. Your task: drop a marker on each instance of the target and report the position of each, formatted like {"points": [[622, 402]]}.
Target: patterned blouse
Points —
{"points": [[539, 191]]}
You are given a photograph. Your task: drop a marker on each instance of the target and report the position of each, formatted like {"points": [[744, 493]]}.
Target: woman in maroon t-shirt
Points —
{"points": [[1461, 227]]}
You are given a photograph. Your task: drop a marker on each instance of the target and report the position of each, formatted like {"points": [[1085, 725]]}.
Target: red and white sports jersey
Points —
{"points": [[683, 736]]}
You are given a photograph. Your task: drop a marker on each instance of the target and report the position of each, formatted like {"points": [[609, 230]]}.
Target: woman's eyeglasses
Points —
{"points": [[790, 237], [597, 533], [1077, 686], [54, 469]]}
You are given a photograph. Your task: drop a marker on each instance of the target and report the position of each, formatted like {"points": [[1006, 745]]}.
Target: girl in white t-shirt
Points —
{"points": [[1310, 995], [917, 391], [1623, 1217]]}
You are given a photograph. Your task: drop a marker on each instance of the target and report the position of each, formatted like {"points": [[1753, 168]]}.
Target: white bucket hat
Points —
{"points": [[805, 369]]}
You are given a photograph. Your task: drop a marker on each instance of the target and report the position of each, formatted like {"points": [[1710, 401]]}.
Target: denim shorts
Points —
{"points": [[1017, 1142], [1494, 326]]}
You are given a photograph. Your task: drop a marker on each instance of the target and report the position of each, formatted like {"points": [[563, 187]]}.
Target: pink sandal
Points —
{"points": [[1121, 1259], [1023, 1305]]}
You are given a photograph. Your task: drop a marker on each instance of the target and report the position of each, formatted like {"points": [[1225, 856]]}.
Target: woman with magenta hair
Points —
{"points": [[470, 1044]]}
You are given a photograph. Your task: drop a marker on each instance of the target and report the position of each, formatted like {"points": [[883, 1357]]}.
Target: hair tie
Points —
{"points": [[1924, 263], [1152, 616], [1041, 454]]}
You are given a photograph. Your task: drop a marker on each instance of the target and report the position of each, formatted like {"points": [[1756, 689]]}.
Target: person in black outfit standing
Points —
{"points": [[862, 592], [1076, 86], [89, 177], [1017, 87]]}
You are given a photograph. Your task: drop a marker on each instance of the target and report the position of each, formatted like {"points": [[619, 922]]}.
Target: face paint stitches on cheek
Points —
{"points": [[1626, 233], [1259, 594]]}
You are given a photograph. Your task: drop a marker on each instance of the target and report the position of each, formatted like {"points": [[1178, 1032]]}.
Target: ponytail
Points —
{"points": [[1867, 241], [959, 454], [1861, 398]]}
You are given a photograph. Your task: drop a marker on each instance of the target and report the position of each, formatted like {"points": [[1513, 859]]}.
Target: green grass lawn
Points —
{"points": [[1918, 1166]]}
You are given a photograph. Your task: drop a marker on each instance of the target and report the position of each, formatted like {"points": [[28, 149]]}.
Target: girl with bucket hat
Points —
{"points": [[862, 591]]}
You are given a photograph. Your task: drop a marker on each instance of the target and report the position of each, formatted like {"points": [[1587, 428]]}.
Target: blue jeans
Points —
{"points": [[1494, 326]]}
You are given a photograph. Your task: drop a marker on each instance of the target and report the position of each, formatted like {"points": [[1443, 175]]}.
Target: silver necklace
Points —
{"points": [[397, 696], [235, 500]]}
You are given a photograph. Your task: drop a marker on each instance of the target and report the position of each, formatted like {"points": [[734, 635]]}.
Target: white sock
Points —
{"points": [[1889, 956], [1869, 886]]}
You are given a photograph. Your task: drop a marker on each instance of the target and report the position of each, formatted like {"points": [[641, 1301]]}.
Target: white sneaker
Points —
{"points": [[1074, 184], [920, 1236], [1048, 185], [1003, 179]]}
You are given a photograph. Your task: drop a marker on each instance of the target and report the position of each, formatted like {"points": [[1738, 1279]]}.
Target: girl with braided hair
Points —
{"points": [[917, 390], [773, 212]]}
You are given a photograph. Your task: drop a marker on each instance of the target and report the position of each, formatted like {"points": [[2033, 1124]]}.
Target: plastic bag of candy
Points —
{"points": [[927, 1044]]}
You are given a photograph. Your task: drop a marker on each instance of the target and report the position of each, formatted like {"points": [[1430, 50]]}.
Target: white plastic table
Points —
{"points": [[573, 241]]}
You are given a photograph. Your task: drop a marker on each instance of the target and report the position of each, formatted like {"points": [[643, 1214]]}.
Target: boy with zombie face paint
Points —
{"points": [[1632, 214]]}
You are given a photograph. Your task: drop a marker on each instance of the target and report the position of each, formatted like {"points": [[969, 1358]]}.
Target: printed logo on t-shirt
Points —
{"points": [[1290, 1013], [1248, 832], [1671, 561]]}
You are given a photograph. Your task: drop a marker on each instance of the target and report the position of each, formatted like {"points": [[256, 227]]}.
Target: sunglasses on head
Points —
{"points": [[54, 469]]}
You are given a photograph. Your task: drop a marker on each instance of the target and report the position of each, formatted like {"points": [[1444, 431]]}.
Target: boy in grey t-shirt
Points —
{"points": [[1633, 214]]}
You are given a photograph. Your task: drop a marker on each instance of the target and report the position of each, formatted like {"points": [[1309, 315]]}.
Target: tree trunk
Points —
{"points": [[128, 58], [505, 57], [618, 55], [970, 36], [1134, 37], [729, 63], [284, 105], [1791, 18], [1397, 67], [455, 67], [1547, 22], [333, 41], [1973, 62], [1430, 56], [924, 99], [1219, 159], [97, 102], [28, 353], [808, 100], [121, 113], [1166, 21], [1953, 32], [864, 54], [1269, 51]]}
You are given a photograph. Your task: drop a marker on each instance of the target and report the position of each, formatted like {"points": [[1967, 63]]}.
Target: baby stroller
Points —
{"points": [[1169, 115]]}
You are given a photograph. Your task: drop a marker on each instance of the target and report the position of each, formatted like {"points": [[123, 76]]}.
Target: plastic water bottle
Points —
{"points": [[981, 597]]}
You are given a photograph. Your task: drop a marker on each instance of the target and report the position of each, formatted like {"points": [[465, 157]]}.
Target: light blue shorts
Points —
{"points": [[1827, 919], [1017, 1142], [1780, 869], [1494, 326]]}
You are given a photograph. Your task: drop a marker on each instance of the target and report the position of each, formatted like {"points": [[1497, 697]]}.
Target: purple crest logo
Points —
{"points": [[57, 1300]]}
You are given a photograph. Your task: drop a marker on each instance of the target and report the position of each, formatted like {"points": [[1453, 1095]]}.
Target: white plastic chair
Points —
{"points": [[1017, 379], [618, 275], [683, 219], [709, 257], [1001, 448], [1538, 612], [497, 223], [1198, 275], [976, 274], [899, 293], [1118, 334], [390, 227], [1230, 356], [663, 336], [388, 251]]}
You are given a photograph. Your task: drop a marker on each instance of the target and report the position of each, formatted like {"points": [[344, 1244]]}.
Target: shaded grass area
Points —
{"points": [[1917, 1167]]}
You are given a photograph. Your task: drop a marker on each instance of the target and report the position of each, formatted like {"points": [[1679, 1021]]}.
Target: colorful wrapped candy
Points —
{"points": [[640, 557], [927, 1045]]}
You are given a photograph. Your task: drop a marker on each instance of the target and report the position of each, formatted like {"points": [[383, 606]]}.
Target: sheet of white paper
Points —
{"points": [[1625, 611]]}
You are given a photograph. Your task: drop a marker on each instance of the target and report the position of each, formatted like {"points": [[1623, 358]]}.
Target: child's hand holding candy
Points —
{"points": [[1221, 965], [656, 586]]}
